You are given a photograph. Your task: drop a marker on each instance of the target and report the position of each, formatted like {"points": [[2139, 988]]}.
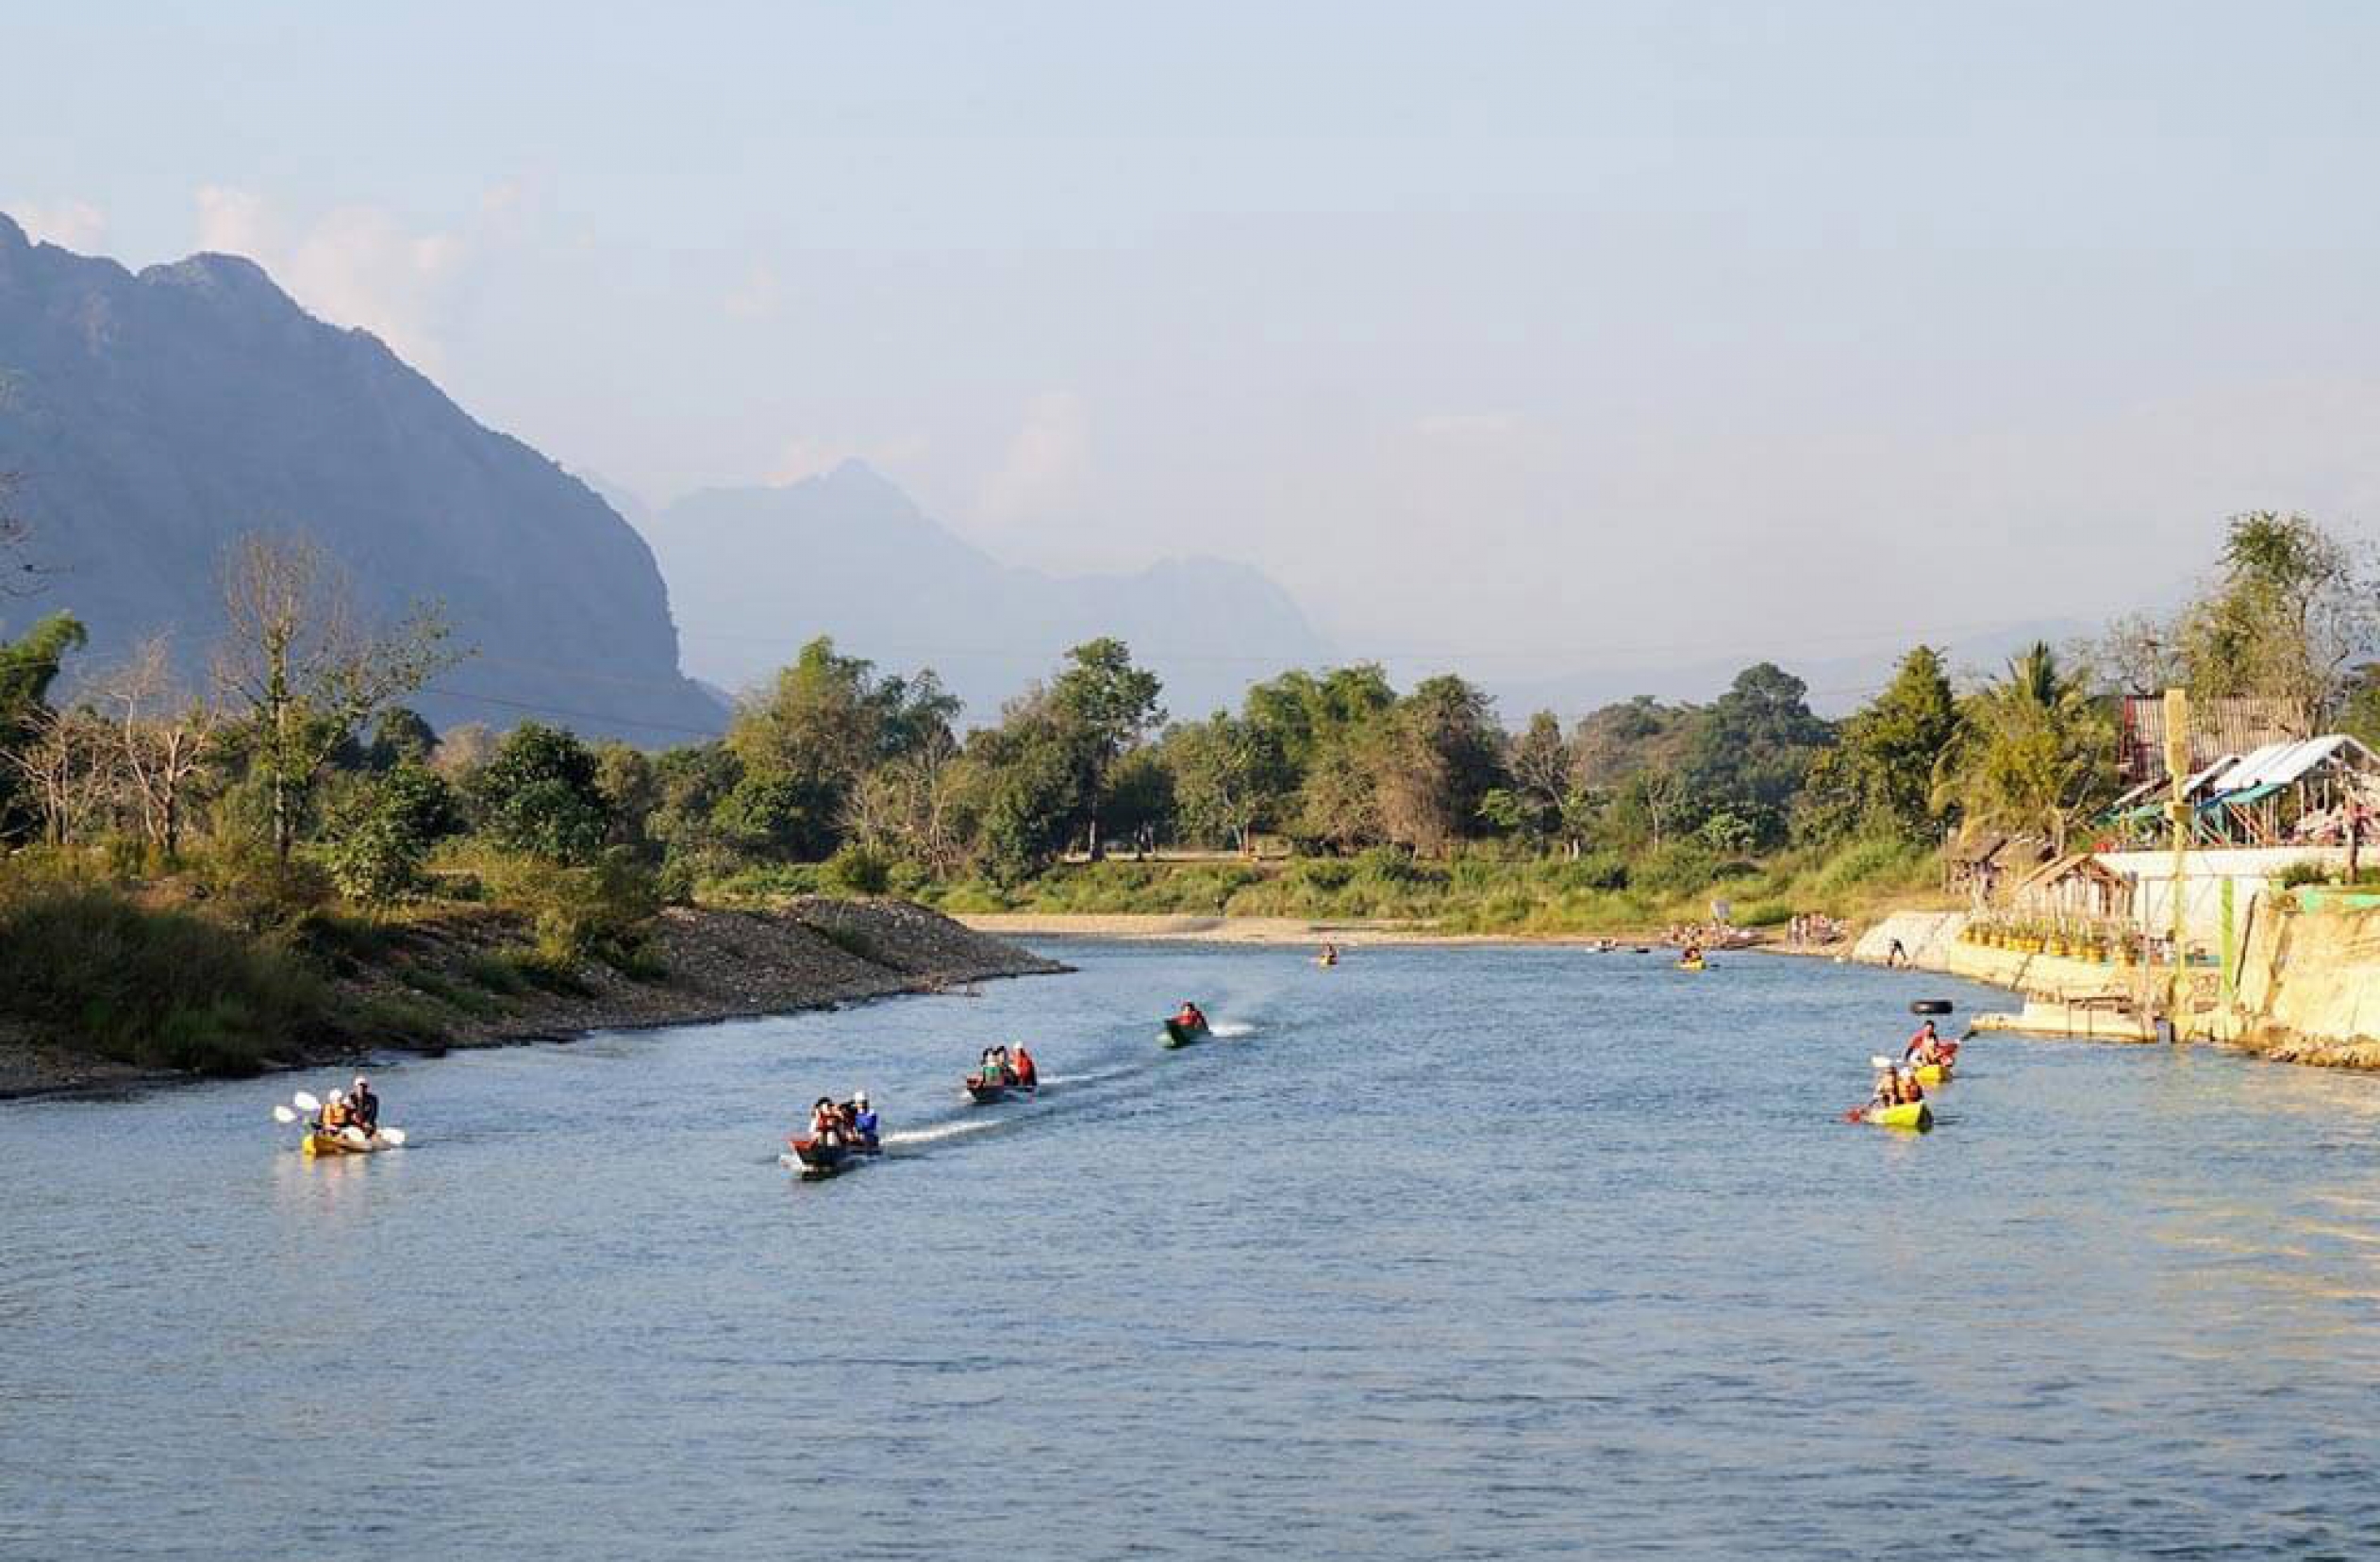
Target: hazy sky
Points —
{"points": [[1534, 335]]}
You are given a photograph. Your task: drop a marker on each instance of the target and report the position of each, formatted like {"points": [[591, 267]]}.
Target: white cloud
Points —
{"points": [[1046, 463], [70, 224], [355, 265]]}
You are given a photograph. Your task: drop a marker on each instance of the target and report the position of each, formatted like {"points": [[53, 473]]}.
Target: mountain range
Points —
{"points": [[756, 572], [153, 417]]}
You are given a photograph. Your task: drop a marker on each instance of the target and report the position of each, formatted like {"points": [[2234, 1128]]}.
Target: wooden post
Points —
{"points": [[2177, 768]]}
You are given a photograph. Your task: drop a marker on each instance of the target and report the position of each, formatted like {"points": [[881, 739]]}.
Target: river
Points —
{"points": [[1449, 1252]]}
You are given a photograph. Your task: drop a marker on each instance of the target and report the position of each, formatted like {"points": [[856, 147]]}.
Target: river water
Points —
{"points": [[1453, 1252]]}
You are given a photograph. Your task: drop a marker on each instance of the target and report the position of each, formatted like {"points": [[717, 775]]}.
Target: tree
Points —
{"points": [[1112, 703], [1753, 749], [826, 721], [29, 666], [400, 734], [1883, 774], [2284, 619], [1228, 777], [384, 830], [305, 669], [2035, 751], [163, 738], [1441, 755], [538, 795], [1025, 788], [1540, 764], [64, 761]]}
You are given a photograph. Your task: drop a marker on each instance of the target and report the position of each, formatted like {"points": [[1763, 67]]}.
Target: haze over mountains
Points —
{"points": [[756, 571], [156, 416]]}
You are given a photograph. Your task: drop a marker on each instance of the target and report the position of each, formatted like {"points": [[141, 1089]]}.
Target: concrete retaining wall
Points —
{"points": [[1926, 936]]}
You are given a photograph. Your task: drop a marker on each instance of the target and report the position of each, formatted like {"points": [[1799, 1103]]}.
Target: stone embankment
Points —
{"points": [[2304, 987]]}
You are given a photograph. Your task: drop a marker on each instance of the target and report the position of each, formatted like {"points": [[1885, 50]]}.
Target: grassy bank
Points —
{"points": [[1468, 895]]}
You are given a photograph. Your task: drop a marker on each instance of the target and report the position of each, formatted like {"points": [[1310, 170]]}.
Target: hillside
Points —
{"points": [[756, 571], [154, 416]]}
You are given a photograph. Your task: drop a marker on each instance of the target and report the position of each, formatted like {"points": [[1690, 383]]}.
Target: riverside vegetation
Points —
{"points": [[196, 875]]}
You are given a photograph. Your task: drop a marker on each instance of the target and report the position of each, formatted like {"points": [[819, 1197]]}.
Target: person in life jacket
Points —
{"points": [[1022, 1069], [1192, 1018], [863, 1119], [1927, 1046], [335, 1114], [826, 1122], [363, 1107]]}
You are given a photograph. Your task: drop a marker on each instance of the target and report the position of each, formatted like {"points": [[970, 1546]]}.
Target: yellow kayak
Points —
{"points": [[1932, 1073], [1910, 1114], [320, 1143], [1689, 965]]}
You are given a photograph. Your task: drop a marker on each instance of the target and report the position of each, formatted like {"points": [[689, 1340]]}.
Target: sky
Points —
{"points": [[1521, 337]]}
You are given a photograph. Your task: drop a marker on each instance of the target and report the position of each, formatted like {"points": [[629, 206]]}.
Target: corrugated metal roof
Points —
{"points": [[2278, 764]]}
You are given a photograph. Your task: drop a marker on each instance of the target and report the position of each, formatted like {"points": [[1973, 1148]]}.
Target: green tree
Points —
{"points": [[806, 743], [2284, 619], [1113, 704], [29, 666], [1751, 752], [1230, 778], [297, 657], [382, 832], [1884, 772], [538, 795], [2035, 751], [1441, 757], [1023, 784]]}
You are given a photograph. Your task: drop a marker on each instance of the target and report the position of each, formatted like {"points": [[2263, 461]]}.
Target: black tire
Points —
{"points": [[1930, 1005]]}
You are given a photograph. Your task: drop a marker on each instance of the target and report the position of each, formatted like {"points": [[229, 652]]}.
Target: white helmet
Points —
{"points": [[339, 1098], [860, 1098]]}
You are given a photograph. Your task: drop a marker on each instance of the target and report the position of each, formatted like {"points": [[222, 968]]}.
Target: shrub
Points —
{"points": [[857, 869], [602, 910], [101, 974], [2298, 873]]}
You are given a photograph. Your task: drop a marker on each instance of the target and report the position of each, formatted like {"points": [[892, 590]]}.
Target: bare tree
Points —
{"points": [[65, 759], [305, 668], [163, 736]]}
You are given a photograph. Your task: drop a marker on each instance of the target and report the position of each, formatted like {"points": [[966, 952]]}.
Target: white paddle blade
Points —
{"points": [[282, 1114], [394, 1135], [355, 1136], [1879, 1062], [305, 1102]]}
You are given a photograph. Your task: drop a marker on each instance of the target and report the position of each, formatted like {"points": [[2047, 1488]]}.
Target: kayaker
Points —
{"points": [[1692, 956], [363, 1107], [863, 1119], [335, 1116], [1022, 1069], [1330, 953], [1927, 1046]]}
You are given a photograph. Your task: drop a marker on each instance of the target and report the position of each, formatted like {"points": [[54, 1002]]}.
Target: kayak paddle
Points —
{"points": [[305, 1102], [394, 1135], [282, 1114]]}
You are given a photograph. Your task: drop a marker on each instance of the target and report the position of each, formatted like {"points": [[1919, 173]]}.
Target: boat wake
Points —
{"points": [[940, 1131], [1231, 1030]]}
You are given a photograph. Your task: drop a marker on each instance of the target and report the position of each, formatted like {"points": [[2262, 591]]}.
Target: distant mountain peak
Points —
{"points": [[755, 573], [156, 417]]}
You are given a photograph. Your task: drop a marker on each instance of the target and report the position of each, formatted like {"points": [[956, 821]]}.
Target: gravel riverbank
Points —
{"points": [[711, 964]]}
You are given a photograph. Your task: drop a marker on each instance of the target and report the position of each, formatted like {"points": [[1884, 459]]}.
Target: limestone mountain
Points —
{"points": [[152, 417], [756, 571]]}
